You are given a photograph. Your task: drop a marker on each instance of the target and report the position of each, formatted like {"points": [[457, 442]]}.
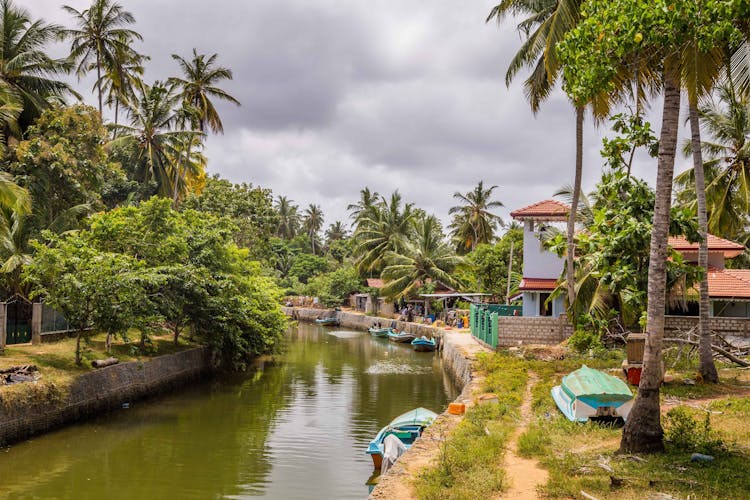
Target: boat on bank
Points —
{"points": [[401, 337], [327, 321], [423, 344], [587, 393], [407, 428]]}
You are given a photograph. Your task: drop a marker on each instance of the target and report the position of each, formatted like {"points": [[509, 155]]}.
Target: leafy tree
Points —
{"points": [[612, 35], [198, 86], [473, 223], [486, 267], [27, 74], [306, 265], [62, 163], [427, 259], [100, 40], [613, 260], [335, 287], [249, 207]]}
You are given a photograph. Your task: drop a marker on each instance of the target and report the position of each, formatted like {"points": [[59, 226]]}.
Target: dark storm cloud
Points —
{"points": [[339, 95]]}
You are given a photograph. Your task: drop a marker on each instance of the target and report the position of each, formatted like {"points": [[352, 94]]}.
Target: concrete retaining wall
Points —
{"points": [[100, 391], [734, 327], [360, 321], [515, 330]]}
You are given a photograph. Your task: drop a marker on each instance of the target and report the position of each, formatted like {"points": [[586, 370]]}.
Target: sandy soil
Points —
{"points": [[524, 474]]}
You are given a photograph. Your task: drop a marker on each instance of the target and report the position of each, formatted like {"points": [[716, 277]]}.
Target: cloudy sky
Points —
{"points": [[342, 94]]}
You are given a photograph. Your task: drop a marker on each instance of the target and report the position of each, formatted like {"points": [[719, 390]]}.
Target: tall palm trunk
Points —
{"points": [[99, 82], [707, 366], [643, 431], [570, 258]]}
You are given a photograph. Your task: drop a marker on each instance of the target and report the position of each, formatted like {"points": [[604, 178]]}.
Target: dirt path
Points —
{"points": [[524, 474]]}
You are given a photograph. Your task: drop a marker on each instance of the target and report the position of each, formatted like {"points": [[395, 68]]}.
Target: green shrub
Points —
{"points": [[685, 433], [583, 340]]}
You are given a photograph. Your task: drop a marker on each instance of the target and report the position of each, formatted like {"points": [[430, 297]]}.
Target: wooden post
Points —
{"points": [[3, 325], [36, 323]]}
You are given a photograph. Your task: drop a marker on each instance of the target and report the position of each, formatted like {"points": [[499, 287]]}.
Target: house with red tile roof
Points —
{"points": [[541, 268], [728, 289]]}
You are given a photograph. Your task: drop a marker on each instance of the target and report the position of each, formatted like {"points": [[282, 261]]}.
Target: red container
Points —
{"points": [[634, 375]]}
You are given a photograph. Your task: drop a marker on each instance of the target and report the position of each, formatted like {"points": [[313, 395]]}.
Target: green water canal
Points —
{"points": [[293, 428]]}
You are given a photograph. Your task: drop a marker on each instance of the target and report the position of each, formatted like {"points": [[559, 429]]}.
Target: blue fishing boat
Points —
{"points": [[401, 337], [379, 332], [588, 393], [407, 427], [328, 321], [423, 344]]}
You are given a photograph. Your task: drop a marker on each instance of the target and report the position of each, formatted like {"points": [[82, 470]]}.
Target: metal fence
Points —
{"points": [[53, 320], [483, 320]]}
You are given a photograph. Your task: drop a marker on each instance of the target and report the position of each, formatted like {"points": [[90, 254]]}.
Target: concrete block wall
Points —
{"points": [[515, 330], [735, 327]]}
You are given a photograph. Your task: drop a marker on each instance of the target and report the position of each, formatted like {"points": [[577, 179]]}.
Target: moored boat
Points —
{"points": [[379, 332], [588, 393], [328, 321], [401, 337], [407, 428], [423, 344]]}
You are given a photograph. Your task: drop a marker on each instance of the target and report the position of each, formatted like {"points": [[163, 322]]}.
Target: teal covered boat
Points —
{"points": [[407, 427], [328, 321], [379, 332], [588, 393], [401, 337], [423, 344]]}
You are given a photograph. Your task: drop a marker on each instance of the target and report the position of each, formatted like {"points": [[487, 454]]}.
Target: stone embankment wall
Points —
{"points": [[360, 321], [458, 351], [515, 330], [101, 390]]}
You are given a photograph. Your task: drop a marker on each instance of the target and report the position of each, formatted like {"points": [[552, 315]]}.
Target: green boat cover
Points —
{"points": [[419, 416], [587, 382]]}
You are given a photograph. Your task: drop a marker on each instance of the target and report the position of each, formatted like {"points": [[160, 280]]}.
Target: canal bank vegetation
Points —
{"points": [[698, 418]]}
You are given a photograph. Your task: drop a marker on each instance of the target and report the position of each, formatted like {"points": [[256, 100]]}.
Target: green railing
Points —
{"points": [[483, 320]]}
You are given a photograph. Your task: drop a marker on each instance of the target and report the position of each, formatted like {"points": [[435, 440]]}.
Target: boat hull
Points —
{"points": [[407, 427], [424, 344], [379, 332]]}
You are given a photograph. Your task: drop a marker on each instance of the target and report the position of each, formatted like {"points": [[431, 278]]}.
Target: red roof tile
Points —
{"points": [[538, 284], [715, 244], [729, 283], [552, 210], [375, 283]]}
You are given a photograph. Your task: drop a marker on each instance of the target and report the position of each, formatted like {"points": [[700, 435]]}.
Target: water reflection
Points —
{"points": [[295, 428]]}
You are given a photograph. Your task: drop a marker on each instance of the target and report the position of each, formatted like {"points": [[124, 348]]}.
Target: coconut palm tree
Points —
{"points": [[727, 167], [198, 87], [473, 222], [336, 231], [427, 258], [99, 38], [289, 219], [367, 200], [312, 222], [27, 73], [121, 78], [385, 227], [150, 135], [546, 24]]}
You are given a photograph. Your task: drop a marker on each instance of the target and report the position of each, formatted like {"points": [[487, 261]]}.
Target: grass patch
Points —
{"points": [[470, 460], [56, 363], [583, 456]]}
